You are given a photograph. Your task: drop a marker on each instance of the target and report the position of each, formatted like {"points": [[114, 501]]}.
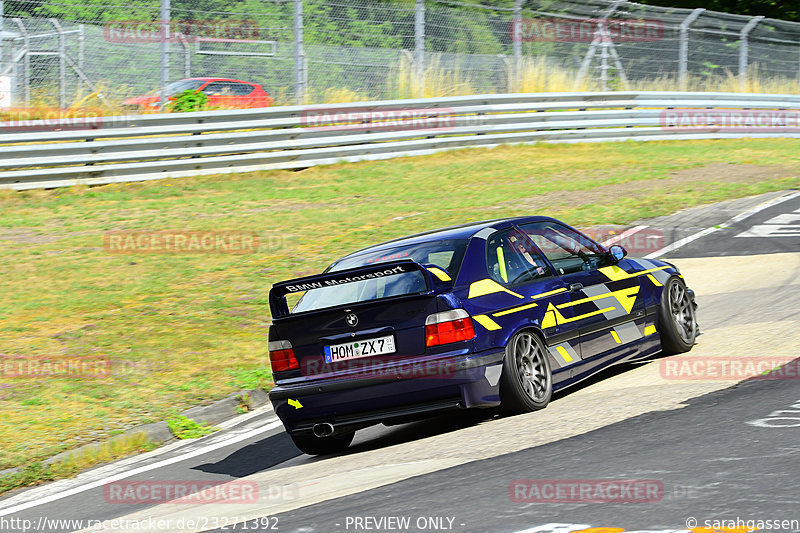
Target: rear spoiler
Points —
{"points": [[434, 278]]}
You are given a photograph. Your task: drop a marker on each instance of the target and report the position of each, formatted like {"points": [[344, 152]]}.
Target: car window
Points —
{"points": [[445, 254], [241, 89], [218, 88], [361, 291], [566, 249], [512, 258], [183, 85]]}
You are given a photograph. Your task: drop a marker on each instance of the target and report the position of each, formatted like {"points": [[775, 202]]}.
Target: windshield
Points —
{"points": [[446, 255], [183, 85]]}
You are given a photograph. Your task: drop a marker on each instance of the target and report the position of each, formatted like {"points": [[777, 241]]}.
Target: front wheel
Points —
{"points": [[313, 445], [527, 382], [676, 319]]}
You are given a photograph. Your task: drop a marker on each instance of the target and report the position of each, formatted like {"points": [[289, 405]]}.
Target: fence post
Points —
{"points": [[516, 37], [683, 53], [509, 71], [600, 39], [62, 63], [26, 60], [165, 14], [300, 73], [2, 37], [743, 51], [187, 56], [7, 80], [81, 46], [419, 39]]}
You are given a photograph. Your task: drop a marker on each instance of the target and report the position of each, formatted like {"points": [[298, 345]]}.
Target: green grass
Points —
{"points": [[37, 473], [186, 428], [184, 329]]}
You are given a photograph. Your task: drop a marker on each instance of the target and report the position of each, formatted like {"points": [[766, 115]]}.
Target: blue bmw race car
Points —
{"points": [[496, 313]]}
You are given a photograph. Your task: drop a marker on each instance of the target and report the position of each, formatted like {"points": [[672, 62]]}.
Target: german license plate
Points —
{"points": [[362, 348]]}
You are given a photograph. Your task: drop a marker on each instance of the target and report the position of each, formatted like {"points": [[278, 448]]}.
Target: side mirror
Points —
{"points": [[617, 252]]}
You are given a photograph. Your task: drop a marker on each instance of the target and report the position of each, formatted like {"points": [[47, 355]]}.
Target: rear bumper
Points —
{"points": [[471, 380]]}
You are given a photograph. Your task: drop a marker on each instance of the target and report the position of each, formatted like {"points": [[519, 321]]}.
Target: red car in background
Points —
{"points": [[221, 92]]}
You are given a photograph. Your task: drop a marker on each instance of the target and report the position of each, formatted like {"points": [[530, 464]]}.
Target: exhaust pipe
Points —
{"points": [[324, 429]]}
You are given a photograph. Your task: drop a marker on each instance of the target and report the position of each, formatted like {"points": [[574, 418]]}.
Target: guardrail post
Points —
{"points": [[743, 51], [683, 52], [300, 72], [516, 44], [165, 14], [419, 40]]}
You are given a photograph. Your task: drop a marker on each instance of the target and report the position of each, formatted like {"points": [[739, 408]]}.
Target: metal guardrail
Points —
{"points": [[144, 147]]}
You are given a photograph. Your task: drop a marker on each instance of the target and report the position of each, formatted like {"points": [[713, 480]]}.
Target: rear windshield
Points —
{"points": [[446, 255]]}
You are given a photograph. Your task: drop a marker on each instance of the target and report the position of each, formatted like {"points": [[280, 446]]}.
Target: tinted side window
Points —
{"points": [[218, 88], [567, 250], [446, 254], [511, 258], [241, 89]]}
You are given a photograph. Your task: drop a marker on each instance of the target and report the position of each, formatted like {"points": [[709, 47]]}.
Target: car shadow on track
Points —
{"points": [[253, 458], [278, 451]]}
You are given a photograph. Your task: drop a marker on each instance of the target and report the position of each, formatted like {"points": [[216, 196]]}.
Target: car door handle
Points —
{"points": [[575, 287]]}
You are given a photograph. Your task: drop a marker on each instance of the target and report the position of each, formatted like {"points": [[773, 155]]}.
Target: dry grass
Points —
{"points": [[182, 329], [76, 462], [538, 74]]}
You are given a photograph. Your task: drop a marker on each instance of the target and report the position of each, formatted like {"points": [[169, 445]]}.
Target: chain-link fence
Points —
{"points": [[65, 53]]}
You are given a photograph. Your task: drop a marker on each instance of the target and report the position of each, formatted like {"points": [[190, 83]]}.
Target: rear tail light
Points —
{"points": [[447, 327], [281, 356]]}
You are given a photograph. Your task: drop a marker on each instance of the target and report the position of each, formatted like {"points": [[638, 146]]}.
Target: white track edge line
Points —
{"points": [[116, 477], [741, 216], [627, 233]]}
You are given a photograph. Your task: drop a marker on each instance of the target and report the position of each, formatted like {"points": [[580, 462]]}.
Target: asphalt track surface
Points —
{"points": [[693, 438]]}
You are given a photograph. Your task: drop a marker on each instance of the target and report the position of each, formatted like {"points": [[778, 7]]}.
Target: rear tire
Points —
{"points": [[313, 445], [676, 320], [527, 383]]}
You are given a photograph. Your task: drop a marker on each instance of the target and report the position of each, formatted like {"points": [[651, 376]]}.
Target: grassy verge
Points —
{"points": [[181, 329], [37, 473]]}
